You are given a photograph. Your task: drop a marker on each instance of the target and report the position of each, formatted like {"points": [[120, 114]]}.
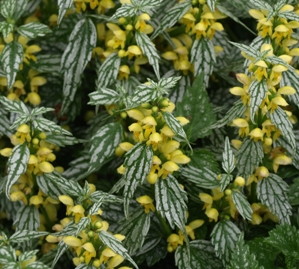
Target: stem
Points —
{"points": [[164, 224]]}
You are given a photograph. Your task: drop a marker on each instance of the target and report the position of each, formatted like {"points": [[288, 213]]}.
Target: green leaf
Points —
{"points": [[235, 112], [6, 28], [7, 254], [49, 187], [75, 58], [136, 229], [204, 158], [242, 258], [45, 125], [71, 187], [203, 57], [126, 10], [27, 255], [11, 265], [24, 235], [40, 110], [14, 106], [202, 256], [257, 91], [249, 50], [62, 140], [4, 124], [211, 4], [294, 192], [108, 71], [291, 78], [249, 156], [138, 163], [20, 120], [201, 177], [33, 29], [224, 238], [170, 201], [8, 7], [149, 50], [173, 15], [225, 180], [62, 248], [144, 93], [243, 206], [261, 5], [196, 107], [63, 6], [47, 63], [146, 5], [103, 144], [228, 163], [82, 224], [99, 198], [11, 59], [27, 218], [22, 8], [286, 239], [273, 192], [78, 168], [113, 243], [37, 265], [281, 120], [17, 165], [292, 16], [104, 96]]}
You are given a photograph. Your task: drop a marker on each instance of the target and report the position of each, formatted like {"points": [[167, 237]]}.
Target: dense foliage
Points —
{"points": [[149, 134]]}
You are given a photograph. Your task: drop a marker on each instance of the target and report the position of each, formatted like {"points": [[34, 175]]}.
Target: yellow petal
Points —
{"points": [[72, 241], [256, 14]]}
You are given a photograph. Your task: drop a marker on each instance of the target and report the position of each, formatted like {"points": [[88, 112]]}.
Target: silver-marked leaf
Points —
{"points": [[225, 179], [280, 118], [146, 5], [24, 235], [292, 16], [103, 144], [82, 224], [99, 198], [171, 201], [7, 254], [175, 125], [17, 165], [75, 58], [113, 243], [47, 63], [43, 125], [211, 4], [144, 93], [203, 57], [40, 110], [126, 10], [6, 28], [11, 59], [37, 265], [27, 218], [261, 5], [108, 71], [172, 16], [62, 248], [28, 255], [257, 91], [249, 156], [202, 256], [63, 6], [224, 238], [135, 229], [104, 96], [228, 163], [138, 163], [291, 78], [149, 50], [273, 192], [33, 29], [249, 50], [275, 60], [78, 168], [62, 140], [242, 204], [14, 106], [235, 112], [7, 8], [49, 187], [202, 177], [71, 187], [20, 120], [23, 8]]}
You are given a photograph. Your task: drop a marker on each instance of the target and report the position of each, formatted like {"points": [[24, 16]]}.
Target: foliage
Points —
{"points": [[149, 134]]}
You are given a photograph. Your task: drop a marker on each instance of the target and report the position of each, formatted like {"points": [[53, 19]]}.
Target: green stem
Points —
{"points": [[166, 229]]}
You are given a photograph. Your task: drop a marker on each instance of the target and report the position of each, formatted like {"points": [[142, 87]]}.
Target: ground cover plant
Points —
{"points": [[149, 134]]}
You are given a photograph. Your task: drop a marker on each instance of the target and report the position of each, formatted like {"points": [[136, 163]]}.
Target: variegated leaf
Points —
{"points": [[103, 144], [171, 201], [113, 243], [292, 16], [82, 224], [273, 192], [138, 163], [27, 218], [249, 50], [280, 118], [11, 59], [108, 71], [261, 4], [242, 204], [63, 6], [14, 106], [24, 235], [6, 28], [104, 96], [62, 140], [203, 57], [8, 7], [17, 165], [149, 50], [7, 254], [291, 78], [33, 29], [61, 249], [126, 10], [49, 187], [225, 180], [45, 125], [75, 58], [224, 238], [47, 63], [211, 4], [257, 91], [228, 163], [144, 93]]}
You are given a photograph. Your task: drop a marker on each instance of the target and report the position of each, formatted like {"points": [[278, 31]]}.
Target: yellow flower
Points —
{"points": [[89, 252], [281, 159], [135, 114], [192, 226], [133, 51], [213, 214], [174, 241], [46, 167], [141, 25], [189, 21], [168, 168], [207, 199], [147, 202], [78, 212], [154, 140], [256, 134], [124, 72], [72, 241], [114, 261]]}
